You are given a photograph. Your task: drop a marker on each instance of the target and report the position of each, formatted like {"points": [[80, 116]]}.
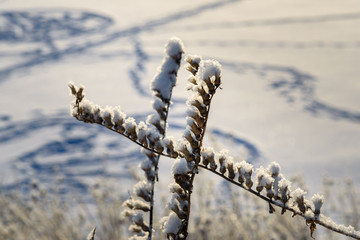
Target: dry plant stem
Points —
{"points": [[193, 174], [281, 205], [151, 212], [176, 224]]}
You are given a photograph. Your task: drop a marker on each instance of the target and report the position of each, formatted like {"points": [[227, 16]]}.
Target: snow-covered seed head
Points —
{"points": [[193, 60], [135, 204], [192, 81], [193, 142], [97, 116], [191, 69], [176, 209], [318, 201], [213, 164], [222, 161], [158, 147], [174, 48], [73, 89], [178, 205], [180, 167], [139, 220], [260, 177], [299, 198], [284, 189], [171, 224], [153, 136], [141, 132], [106, 114], [143, 190], [160, 108], [85, 112], [146, 165], [274, 169], [194, 128], [136, 229], [130, 128], [207, 155], [245, 171], [118, 119], [194, 114], [77, 92], [204, 94], [230, 167], [270, 193], [176, 188], [165, 78], [154, 119], [168, 143], [184, 149], [209, 68], [210, 74], [197, 103]]}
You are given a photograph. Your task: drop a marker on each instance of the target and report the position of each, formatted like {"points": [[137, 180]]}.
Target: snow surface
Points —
{"points": [[290, 89]]}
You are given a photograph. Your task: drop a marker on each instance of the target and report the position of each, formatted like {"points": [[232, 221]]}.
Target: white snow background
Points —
{"points": [[290, 93]]}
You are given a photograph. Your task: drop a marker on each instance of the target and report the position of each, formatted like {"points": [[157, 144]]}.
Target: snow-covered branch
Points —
{"points": [[266, 183]]}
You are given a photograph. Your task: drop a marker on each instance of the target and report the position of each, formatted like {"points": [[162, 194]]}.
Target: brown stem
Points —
{"points": [[192, 178]]}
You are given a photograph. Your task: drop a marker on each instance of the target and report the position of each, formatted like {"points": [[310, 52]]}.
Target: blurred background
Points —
{"points": [[290, 89]]}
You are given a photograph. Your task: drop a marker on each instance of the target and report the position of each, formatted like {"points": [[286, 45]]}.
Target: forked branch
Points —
{"points": [[189, 153]]}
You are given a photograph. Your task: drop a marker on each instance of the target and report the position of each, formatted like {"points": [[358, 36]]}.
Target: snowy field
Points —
{"points": [[290, 93]]}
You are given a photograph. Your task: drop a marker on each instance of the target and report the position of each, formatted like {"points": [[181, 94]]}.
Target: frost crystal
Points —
{"points": [[165, 78]]}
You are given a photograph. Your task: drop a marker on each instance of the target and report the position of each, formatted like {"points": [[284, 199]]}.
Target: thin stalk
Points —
{"points": [[192, 178], [151, 212]]}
